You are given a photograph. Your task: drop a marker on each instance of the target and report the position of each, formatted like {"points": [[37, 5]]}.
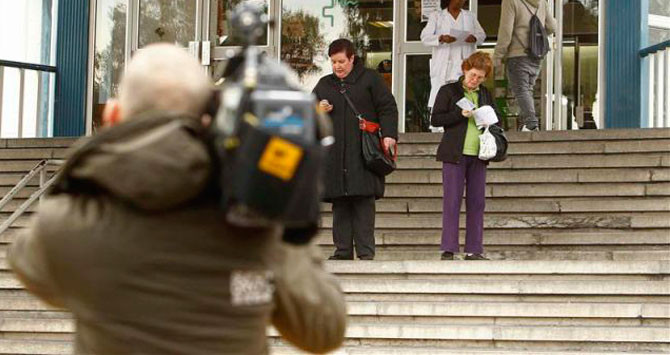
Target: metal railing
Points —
{"points": [[31, 89], [41, 169], [659, 84]]}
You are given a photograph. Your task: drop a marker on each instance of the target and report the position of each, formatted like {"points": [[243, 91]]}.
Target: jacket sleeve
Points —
{"points": [[29, 261], [385, 105], [444, 115], [429, 36], [310, 309], [479, 31], [505, 30]]}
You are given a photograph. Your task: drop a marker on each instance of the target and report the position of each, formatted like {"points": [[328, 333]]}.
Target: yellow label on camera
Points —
{"points": [[280, 158]]}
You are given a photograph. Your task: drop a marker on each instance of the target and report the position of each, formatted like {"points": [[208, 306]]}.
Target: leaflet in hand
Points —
{"points": [[485, 116], [466, 104], [459, 35]]}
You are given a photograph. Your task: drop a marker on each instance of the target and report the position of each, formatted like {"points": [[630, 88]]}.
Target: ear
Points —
{"points": [[111, 115]]}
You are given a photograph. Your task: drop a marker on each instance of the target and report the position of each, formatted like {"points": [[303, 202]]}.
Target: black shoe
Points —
{"points": [[447, 255], [475, 257], [366, 257], [337, 257]]}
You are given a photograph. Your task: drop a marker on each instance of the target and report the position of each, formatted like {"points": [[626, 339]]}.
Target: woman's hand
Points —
{"points": [[325, 105], [447, 39], [471, 39], [466, 113], [387, 143]]}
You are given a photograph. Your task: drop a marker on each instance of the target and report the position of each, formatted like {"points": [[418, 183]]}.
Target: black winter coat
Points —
{"points": [[345, 172], [448, 115]]}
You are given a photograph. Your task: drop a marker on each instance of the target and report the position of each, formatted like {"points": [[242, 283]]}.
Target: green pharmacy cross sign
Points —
{"points": [[342, 3]]}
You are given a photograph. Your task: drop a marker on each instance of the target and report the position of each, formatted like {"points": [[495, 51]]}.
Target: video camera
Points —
{"points": [[270, 139]]}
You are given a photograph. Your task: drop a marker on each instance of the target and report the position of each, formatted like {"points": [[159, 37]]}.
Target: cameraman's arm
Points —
{"points": [[29, 262], [310, 308]]}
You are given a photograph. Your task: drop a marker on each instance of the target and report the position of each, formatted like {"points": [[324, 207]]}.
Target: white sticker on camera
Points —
{"points": [[251, 287]]}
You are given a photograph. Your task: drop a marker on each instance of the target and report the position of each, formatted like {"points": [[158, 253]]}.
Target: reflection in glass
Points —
{"points": [[26, 31], [171, 21], [417, 91], [309, 27], [416, 19], [580, 61], [109, 57], [225, 34]]}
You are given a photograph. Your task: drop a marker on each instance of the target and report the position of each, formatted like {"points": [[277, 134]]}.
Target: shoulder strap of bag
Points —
{"points": [[343, 91], [528, 7]]}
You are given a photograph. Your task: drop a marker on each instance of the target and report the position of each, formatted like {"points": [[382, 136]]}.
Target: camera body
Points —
{"points": [[269, 138]]}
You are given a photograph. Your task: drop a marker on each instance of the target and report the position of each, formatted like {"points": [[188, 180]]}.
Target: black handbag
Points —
{"points": [[501, 143], [376, 160]]}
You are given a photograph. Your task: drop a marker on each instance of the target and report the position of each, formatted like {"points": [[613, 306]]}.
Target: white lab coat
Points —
{"points": [[445, 64]]}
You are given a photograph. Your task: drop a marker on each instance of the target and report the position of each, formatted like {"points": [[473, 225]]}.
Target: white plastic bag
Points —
{"points": [[487, 145]]}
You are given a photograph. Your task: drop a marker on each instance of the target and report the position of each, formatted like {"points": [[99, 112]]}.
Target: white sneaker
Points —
{"points": [[525, 129]]}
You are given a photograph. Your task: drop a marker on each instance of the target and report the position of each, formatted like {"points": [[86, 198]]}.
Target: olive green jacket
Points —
{"points": [[147, 269]]}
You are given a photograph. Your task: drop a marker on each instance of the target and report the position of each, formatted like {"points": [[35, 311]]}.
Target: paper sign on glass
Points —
{"points": [[466, 104]]}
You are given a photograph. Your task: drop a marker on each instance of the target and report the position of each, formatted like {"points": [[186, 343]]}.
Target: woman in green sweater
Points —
{"points": [[458, 151]]}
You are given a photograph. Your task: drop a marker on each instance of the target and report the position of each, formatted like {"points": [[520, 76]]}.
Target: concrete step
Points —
{"points": [[37, 142], [531, 221], [554, 148], [22, 166], [428, 350], [533, 190], [507, 333], [385, 253], [586, 161], [510, 204], [506, 287], [556, 136], [33, 153], [418, 269], [33, 347], [434, 176]]}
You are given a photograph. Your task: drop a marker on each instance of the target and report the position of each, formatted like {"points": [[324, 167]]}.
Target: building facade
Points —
{"points": [[594, 71]]}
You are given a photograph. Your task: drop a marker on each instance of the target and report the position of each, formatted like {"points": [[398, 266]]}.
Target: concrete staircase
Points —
{"points": [[578, 225]]}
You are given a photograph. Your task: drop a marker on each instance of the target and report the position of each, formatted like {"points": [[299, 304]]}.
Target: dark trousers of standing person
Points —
{"points": [[469, 173], [354, 225]]}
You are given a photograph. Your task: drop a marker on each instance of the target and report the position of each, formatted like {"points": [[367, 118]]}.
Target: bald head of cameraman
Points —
{"points": [[131, 241]]}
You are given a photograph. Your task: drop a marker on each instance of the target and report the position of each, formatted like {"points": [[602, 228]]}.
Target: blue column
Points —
{"points": [[626, 81], [72, 68]]}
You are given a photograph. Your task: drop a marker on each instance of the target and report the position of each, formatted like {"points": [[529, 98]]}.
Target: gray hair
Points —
{"points": [[164, 77]]}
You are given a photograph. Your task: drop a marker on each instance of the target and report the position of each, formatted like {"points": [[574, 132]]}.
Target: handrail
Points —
{"points": [[39, 168], [29, 66], [655, 48]]}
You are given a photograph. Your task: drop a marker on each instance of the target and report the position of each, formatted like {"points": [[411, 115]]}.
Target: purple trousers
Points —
{"points": [[470, 172]]}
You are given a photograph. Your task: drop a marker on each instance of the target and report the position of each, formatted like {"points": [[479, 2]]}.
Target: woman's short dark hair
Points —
{"points": [[341, 45], [444, 4]]}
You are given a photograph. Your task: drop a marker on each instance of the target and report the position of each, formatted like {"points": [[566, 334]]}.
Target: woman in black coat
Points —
{"points": [[349, 186]]}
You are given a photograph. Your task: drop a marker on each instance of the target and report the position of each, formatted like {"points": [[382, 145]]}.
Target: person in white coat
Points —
{"points": [[449, 51]]}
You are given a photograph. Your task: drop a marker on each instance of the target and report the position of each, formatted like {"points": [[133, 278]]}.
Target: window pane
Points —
{"points": [[225, 34], [171, 21], [580, 60], [659, 7], [417, 91], [417, 17], [27, 31], [309, 27], [488, 14], [110, 40]]}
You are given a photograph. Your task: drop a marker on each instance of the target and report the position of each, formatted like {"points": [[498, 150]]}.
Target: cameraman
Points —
{"points": [[132, 242]]}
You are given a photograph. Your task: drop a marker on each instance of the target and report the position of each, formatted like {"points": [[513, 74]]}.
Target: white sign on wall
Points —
{"points": [[427, 7]]}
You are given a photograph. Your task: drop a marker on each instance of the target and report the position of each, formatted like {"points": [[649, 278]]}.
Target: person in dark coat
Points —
{"points": [[459, 153], [349, 186]]}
